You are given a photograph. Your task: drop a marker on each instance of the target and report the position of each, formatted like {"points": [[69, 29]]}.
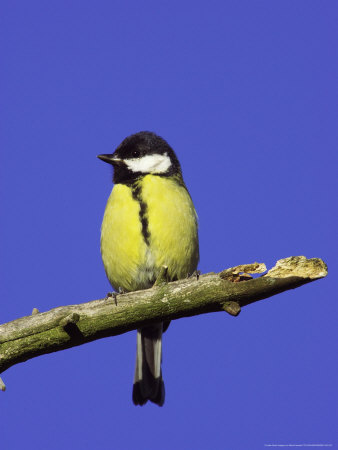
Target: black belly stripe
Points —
{"points": [[136, 193]]}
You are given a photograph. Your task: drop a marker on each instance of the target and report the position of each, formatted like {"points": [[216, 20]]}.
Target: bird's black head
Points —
{"points": [[140, 154]]}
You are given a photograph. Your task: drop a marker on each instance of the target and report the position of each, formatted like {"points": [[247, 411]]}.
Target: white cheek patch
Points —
{"points": [[149, 164]]}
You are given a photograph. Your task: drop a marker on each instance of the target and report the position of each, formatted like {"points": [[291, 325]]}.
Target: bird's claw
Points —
{"points": [[196, 274], [115, 298], [112, 295]]}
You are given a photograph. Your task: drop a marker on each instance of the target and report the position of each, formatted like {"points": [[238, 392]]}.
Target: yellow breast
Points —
{"points": [[133, 254]]}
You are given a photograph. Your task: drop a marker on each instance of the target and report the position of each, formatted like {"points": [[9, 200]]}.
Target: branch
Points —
{"points": [[229, 290]]}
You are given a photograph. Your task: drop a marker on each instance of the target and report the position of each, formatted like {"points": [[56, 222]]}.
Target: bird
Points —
{"points": [[149, 222]]}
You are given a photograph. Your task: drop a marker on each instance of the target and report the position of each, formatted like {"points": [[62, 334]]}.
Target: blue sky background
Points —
{"points": [[246, 93]]}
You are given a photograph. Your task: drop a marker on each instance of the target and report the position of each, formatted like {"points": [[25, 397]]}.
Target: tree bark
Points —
{"points": [[229, 290]]}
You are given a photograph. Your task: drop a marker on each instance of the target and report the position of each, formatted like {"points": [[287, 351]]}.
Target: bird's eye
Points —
{"points": [[135, 154]]}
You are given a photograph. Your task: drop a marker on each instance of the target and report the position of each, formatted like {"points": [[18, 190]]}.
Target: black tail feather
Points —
{"points": [[148, 383]]}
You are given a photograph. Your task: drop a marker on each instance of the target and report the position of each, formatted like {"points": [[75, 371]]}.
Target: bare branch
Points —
{"points": [[229, 290]]}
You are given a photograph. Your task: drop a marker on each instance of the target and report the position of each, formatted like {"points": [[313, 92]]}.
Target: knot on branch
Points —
{"points": [[2, 385], [72, 318], [232, 308], [69, 324]]}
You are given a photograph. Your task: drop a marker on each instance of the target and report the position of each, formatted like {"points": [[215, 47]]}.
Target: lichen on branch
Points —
{"points": [[229, 290]]}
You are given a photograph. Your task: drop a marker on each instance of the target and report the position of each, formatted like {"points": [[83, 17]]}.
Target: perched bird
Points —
{"points": [[149, 221]]}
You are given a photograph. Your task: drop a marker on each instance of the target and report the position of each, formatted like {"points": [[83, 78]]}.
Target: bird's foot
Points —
{"points": [[115, 298], [112, 295], [162, 276], [196, 274], [115, 294]]}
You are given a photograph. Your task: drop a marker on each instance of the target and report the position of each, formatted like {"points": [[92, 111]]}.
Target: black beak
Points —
{"points": [[110, 159]]}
